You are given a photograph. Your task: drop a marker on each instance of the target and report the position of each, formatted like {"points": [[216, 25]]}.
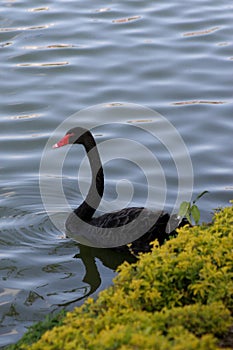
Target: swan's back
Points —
{"points": [[138, 226]]}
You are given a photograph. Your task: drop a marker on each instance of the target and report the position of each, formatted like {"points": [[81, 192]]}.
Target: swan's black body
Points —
{"points": [[156, 221]]}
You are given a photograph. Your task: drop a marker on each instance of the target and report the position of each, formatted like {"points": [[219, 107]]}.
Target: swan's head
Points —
{"points": [[75, 135]]}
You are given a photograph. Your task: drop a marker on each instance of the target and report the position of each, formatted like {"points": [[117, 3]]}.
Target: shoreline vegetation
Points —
{"points": [[178, 297]]}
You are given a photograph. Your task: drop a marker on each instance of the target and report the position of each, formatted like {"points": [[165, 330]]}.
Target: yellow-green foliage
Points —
{"points": [[178, 297]]}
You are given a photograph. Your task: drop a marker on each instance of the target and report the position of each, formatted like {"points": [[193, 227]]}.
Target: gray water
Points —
{"points": [[61, 57]]}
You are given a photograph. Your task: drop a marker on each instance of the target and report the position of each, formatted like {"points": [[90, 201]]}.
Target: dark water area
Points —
{"points": [[156, 74]]}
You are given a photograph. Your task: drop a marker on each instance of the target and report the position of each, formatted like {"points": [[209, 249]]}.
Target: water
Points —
{"points": [[61, 57]]}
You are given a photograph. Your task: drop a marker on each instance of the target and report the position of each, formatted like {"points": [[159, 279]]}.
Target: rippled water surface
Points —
{"points": [[61, 57]]}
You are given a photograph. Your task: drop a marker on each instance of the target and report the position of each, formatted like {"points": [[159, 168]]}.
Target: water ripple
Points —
{"points": [[38, 9], [42, 64], [202, 32], [126, 20], [17, 29], [198, 102]]}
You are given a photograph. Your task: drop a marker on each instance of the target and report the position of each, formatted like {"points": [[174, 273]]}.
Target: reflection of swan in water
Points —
{"points": [[108, 258], [136, 225]]}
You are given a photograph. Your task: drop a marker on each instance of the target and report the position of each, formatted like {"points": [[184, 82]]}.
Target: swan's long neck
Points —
{"points": [[86, 210]]}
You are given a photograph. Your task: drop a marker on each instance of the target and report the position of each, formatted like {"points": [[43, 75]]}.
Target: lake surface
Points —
{"points": [[125, 69]]}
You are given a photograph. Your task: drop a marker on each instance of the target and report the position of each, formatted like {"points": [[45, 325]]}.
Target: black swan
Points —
{"points": [[137, 225]]}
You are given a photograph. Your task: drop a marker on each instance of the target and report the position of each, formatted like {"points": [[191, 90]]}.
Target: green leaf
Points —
{"points": [[188, 217], [199, 196], [195, 212], [184, 208]]}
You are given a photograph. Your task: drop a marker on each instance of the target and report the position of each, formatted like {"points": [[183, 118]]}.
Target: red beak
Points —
{"points": [[64, 141]]}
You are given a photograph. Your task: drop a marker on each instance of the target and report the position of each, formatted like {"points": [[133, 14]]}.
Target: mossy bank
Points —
{"points": [[178, 297]]}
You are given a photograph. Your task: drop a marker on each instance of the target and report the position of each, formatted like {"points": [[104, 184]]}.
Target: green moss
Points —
{"points": [[177, 297]]}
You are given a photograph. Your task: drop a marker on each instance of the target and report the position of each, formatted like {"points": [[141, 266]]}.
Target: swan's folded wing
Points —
{"points": [[116, 229]]}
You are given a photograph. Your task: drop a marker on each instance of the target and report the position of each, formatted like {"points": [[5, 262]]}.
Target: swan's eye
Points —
{"points": [[64, 141]]}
